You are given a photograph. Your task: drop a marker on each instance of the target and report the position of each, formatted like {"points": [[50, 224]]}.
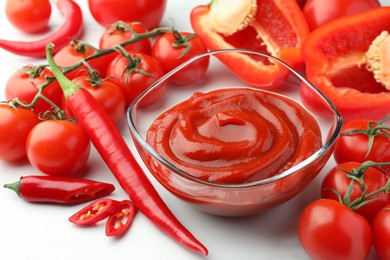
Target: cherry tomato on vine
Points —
{"points": [[15, 125], [120, 32], [58, 147], [134, 72], [24, 83], [173, 48], [337, 180], [319, 12], [74, 52], [106, 92], [329, 230], [29, 16], [354, 145], [381, 233], [148, 12]]}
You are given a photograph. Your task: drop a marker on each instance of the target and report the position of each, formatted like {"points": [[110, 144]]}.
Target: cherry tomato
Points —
{"points": [[29, 16], [120, 32], [58, 147], [24, 83], [354, 146], [329, 230], [381, 233], [337, 180], [107, 93], [173, 48], [319, 12], [15, 125], [74, 53], [148, 12], [135, 73]]}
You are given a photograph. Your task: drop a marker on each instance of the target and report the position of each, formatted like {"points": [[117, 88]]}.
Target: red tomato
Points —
{"points": [[381, 233], [107, 93], [354, 146], [337, 180], [329, 230], [24, 84], [15, 125], [120, 32], [58, 147], [319, 12], [170, 50], [74, 53], [29, 16], [148, 12], [136, 73]]}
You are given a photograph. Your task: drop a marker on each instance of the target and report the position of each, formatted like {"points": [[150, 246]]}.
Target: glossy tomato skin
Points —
{"points": [[107, 93], [170, 57], [134, 83], [319, 12], [73, 53], [15, 125], [381, 233], [329, 230], [336, 179], [354, 147], [20, 85], [148, 12], [29, 16], [58, 147]]}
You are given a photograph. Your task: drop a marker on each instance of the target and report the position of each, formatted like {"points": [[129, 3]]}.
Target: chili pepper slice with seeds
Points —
{"points": [[95, 212], [111, 146], [71, 28], [120, 221], [59, 189]]}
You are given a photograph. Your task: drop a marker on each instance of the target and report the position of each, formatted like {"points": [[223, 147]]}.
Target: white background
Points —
{"points": [[42, 231]]}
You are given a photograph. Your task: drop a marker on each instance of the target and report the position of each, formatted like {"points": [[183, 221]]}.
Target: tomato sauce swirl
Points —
{"points": [[235, 135]]}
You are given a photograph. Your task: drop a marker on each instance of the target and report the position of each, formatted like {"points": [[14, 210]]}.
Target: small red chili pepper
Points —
{"points": [[59, 189], [95, 212], [120, 221], [70, 29], [111, 146]]}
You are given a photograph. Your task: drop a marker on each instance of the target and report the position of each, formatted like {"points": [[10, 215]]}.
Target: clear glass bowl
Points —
{"points": [[228, 199]]}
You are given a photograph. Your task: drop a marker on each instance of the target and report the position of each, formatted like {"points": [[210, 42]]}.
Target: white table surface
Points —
{"points": [[42, 231]]}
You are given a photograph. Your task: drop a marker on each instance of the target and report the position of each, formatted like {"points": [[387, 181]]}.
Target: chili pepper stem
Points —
{"points": [[15, 186]]}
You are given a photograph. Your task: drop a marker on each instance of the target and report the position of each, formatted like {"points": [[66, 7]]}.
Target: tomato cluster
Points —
{"points": [[354, 211], [36, 121]]}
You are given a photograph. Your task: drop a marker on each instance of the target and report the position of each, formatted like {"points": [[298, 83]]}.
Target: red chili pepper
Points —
{"points": [[70, 29], [59, 189], [120, 221], [95, 212], [277, 27], [336, 63], [113, 149]]}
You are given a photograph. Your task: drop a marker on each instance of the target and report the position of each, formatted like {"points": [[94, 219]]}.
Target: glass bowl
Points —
{"points": [[229, 199]]}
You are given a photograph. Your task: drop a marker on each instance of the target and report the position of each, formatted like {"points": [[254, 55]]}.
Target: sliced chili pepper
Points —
{"points": [[336, 63], [277, 27], [59, 189], [113, 149], [70, 29], [120, 221], [95, 212]]}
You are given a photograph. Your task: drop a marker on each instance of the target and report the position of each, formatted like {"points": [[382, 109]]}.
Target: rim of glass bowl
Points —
{"points": [[325, 147]]}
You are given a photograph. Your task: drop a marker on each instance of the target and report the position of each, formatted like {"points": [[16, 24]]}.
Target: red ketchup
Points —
{"points": [[235, 135]]}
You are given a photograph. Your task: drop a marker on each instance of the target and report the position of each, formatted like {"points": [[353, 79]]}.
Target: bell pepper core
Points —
{"points": [[277, 27]]}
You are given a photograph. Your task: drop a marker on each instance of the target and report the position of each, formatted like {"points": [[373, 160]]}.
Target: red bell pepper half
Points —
{"points": [[120, 221], [336, 63], [276, 27]]}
